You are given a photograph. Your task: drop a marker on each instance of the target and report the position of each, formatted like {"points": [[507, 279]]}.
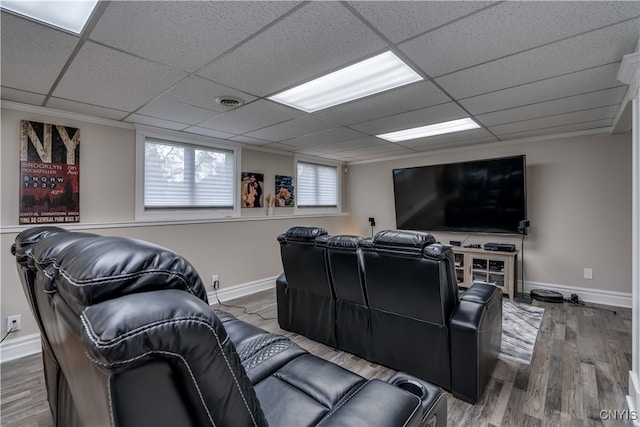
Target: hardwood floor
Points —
{"points": [[580, 367]]}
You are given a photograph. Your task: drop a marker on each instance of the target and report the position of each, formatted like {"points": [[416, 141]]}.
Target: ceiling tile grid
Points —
{"points": [[520, 69]]}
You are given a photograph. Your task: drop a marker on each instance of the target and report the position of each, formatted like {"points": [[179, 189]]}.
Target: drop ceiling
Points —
{"points": [[520, 69]]}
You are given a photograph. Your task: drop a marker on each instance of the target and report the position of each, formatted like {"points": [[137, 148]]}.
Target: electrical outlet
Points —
{"points": [[588, 273], [14, 322], [215, 283]]}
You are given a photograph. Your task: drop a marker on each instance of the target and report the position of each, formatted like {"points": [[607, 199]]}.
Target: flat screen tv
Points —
{"points": [[482, 196]]}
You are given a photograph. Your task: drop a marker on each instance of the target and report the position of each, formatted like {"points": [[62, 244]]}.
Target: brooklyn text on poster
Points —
{"points": [[49, 173]]}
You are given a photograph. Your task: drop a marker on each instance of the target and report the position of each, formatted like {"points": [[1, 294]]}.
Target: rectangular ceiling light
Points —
{"points": [[68, 15], [430, 130], [382, 72]]}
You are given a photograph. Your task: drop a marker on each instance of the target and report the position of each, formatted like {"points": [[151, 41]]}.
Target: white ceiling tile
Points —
{"points": [[468, 135], [153, 121], [422, 117], [21, 96], [333, 156], [557, 120], [82, 108], [32, 55], [202, 93], [103, 76], [323, 138], [406, 98], [252, 116], [509, 28], [292, 129], [281, 147], [183, 34], [596, 124], [559, 106], [386, 154], [315, 39], [373, 149], [176, 111], [248, 140], [400, 20], [351, 144], [208, 132], [442, 145], [596, 48], [602, 77]]}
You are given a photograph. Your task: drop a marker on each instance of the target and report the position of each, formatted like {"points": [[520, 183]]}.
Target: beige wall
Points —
{"points": [[578, 202], [240, 251]]}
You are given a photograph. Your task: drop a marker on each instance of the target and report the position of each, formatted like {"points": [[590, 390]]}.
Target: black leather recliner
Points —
{"points": [[305, 285], [410, 316], [133, 342], [353, 325]]}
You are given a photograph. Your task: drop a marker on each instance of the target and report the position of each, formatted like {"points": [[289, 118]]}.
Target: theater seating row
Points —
{"points": [[392, 299], [129, 339]]}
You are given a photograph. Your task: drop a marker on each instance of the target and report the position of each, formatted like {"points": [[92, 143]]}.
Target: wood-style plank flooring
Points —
{"points": [[580, 367]]}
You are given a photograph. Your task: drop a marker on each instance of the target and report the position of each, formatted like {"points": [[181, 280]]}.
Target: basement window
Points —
{"points": [[182, 179], [318, 187]]}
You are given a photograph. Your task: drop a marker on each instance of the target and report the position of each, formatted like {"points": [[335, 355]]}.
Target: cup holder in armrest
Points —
{"points": [[433, 398], [412, 386]]}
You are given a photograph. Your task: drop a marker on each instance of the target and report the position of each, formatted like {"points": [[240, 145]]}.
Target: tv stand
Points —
{"points": [[493, 267]]}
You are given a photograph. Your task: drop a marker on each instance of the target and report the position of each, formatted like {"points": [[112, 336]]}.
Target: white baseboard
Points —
{"points": [[30, 344], [633, 398], [597, 296], [20, 347], [242, 290]]}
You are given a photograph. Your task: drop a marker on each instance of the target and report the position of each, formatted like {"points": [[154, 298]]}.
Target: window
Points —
{"points": [[180, 179], [317, 185]]}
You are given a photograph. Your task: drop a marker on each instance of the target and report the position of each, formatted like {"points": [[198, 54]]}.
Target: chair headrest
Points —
{"points": [[343, 242], [403, 240], [88, 269], [302, 234], [24, 241]]}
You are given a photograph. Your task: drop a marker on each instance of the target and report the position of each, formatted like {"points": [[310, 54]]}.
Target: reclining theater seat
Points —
{"points": [[352, 312], [135, 343], [418, 322], [306, 302], [410, 303]]}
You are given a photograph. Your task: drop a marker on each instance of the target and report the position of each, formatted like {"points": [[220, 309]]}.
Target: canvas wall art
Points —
{"points": [[252, 185], [49, 173], [284, 191]]}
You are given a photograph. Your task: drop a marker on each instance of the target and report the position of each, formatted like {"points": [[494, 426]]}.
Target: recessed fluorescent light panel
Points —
{"points": [[431, 130], [68, 15], [374, 75]]}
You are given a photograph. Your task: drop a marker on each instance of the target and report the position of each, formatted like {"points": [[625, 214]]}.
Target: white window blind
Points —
{"points": [[182, 176], [317, 185]]}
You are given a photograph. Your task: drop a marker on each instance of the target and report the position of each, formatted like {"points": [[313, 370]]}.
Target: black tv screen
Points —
{"points": [[483, 196]]}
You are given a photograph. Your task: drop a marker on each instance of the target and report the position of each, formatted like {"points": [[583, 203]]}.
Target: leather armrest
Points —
{"points": [[376, 403], [283, 303], [476, 332], [482, 293]]}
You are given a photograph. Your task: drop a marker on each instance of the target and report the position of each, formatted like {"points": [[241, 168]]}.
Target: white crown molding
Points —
{"points": [[502, 143], [629, 72], [12, 105]]}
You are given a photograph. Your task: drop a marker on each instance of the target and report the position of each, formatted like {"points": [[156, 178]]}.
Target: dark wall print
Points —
{"points": [[284, 191], [252, 189], [49, 173]]}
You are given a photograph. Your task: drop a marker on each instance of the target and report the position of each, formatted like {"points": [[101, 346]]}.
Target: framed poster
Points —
{"points": [[49, 173], [251, 188], [284, 191]]}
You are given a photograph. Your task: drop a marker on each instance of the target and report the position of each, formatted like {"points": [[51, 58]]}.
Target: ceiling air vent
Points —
{"points": [[229, 101]]}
